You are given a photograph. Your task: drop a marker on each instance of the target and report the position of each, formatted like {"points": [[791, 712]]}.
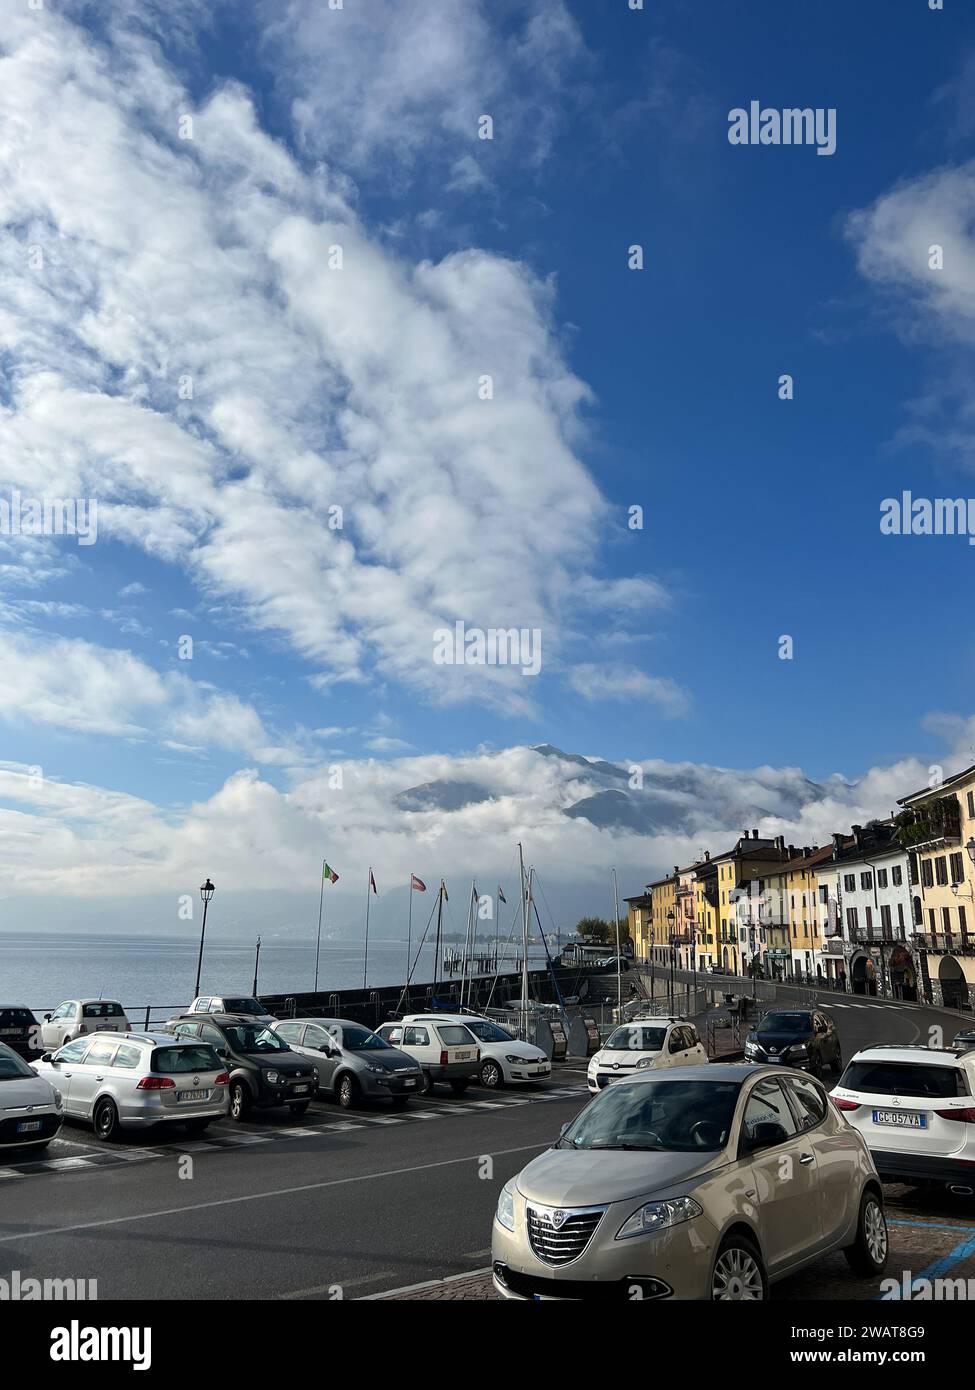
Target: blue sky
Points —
{"points": [[311, 648]]}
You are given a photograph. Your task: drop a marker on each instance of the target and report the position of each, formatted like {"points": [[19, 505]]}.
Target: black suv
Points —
{"points": [[20, 1030], [264, 1071], [803, 1038]]}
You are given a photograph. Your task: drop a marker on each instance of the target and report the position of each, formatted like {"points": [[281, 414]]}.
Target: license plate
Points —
{"points": [[192, 1095], [26, 1126], [462, 1056], [901, 1119], [299, 1088], [9, 1032], [411, 1082]]}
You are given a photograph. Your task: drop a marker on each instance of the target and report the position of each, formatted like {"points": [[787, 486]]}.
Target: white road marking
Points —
{"points": [[264, 1196]]}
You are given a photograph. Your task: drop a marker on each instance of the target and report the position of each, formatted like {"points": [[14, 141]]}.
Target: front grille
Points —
{"points": [[50, 1124], [558, 1235], [611, 1291]]}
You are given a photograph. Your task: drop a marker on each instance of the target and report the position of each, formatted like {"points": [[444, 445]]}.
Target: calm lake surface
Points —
{"points": [[41, 969]]}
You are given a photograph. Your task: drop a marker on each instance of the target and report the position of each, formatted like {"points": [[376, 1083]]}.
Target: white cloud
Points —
{"points": [[615, 682], [206, 261]]}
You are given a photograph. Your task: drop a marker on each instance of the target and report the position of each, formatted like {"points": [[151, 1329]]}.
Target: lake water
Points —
{"points": [[41, 969]]}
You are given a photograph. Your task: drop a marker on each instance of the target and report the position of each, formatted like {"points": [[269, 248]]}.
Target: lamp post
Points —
{"points": [[206, 893], [671, 919]]}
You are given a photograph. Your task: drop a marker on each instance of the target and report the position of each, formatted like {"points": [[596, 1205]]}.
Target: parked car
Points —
{"points": [[965, 1040], [802, 1038], [264, 1072], [504, 1059], [625, 963], [445, 1051], [20, 1030], [138, 1081], [352, 1062], [645, 1045], [915, 1107], [707, 1183], [30, 1107], [230, 1004], [78, 1017]]}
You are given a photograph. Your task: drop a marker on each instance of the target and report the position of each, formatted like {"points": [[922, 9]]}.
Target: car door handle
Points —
{"points": [[101, 1078], [805, 1158]]}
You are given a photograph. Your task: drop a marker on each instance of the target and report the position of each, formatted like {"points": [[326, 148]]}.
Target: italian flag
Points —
{"points": [[329, 873]]}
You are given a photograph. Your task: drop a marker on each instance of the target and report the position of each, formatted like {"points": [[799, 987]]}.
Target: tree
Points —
{"points": [[594, 929]]}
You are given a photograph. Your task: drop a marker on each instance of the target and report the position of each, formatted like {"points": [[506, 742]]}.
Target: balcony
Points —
{"points": [[938, 943], [935, 825]]}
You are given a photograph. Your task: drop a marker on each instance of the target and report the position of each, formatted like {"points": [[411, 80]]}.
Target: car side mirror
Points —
{"points": [[49, 1057], [765, 1134], [47, 1018]]}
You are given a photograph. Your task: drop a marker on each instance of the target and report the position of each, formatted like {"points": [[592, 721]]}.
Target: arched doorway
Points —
{"points": [[724, 957], [863, 975], [903, 976], [954, 986]]}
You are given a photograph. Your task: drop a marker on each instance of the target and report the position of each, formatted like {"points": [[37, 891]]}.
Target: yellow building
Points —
{"points": [[638, 918], [937, 827], [663, 918], [801, 911], [734, 894]]}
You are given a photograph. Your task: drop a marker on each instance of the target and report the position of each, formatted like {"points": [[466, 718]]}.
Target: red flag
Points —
{"points": [[417, 884], [372, 881]]}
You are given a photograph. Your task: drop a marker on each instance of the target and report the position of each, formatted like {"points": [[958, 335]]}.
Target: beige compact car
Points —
{"points": [[704, 1183]]}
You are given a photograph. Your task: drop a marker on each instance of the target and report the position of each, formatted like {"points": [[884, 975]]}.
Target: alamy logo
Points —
{"points": [[908, 515], [793, 125], [493, 646], [77, 1343], [49, 516]]}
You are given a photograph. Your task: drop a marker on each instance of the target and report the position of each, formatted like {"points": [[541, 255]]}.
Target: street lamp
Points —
{"points": [[671, 919], [970, 846], [206, 893]]}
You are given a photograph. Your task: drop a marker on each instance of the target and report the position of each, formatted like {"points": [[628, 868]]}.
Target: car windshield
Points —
{"points": [[247, 1037], [193, 1057], [903, 1079], [634, 1038], [12, 1068], [489, 1032], [785, 1023], [362, 1040], [244, 1006], [666, 1116], [103, 1009]]}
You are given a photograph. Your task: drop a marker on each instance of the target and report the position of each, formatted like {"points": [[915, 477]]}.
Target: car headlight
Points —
{"points": [[655, 1216], [750, 1049], [799, 1050], [273, 1077], [377, 1071], [513, 1057], [645, 1062], [506, 1207], [594, 1061]]}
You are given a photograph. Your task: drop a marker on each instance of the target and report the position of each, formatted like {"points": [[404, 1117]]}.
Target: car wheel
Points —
{"points": [[459, 1086], [196, 1126], [299, 1107], [240, 1101], [738, 1274], [491, 1075], [105, 1119], [868, 1253], [348, 1092]]}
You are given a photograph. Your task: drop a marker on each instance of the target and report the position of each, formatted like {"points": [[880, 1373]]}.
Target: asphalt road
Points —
{"points": [[358, 1204]]}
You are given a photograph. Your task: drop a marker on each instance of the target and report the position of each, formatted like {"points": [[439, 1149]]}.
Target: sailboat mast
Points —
{"points": [[436, 963], [619, 975], [524, 944]]}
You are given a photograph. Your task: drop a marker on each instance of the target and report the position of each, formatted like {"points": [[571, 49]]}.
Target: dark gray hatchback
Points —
{"points": [[264, 1071]]}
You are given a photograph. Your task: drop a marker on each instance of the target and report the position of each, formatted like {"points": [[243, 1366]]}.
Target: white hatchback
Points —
{"points": [[77, 1017], [648, 1044], [445, 1051], [915, 1107], [30, 1107]]}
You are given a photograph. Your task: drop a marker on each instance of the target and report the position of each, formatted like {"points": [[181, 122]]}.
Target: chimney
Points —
{"points": [[780, 843], [707, 856], [837, 845], [805, 851], [858, 835], [754, 834], [792, 851]]}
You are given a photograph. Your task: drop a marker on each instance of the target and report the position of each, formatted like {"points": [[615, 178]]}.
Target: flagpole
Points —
{"points": [[436, 963], [409, 931], [474, 906], [365, 956], [321, 904]]}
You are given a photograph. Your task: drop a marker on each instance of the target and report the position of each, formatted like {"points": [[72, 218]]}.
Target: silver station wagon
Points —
{"points": [[137, 1080]]}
